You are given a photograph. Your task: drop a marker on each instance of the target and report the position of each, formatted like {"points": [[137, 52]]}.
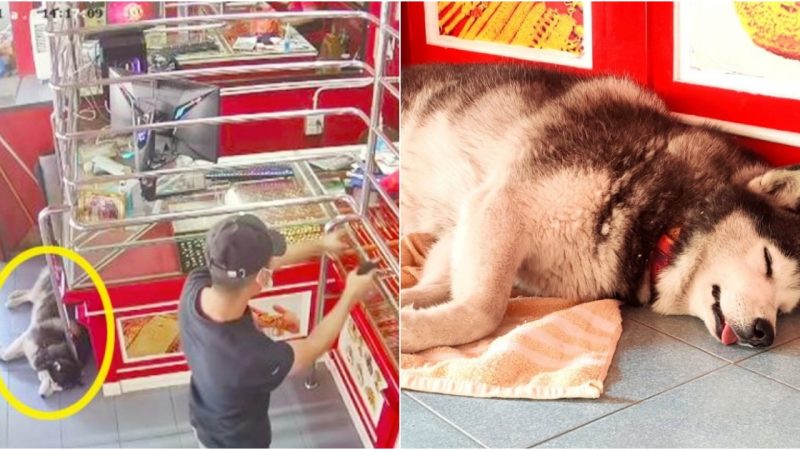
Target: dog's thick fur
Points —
{"points": [[44, 343], [562, 185]]}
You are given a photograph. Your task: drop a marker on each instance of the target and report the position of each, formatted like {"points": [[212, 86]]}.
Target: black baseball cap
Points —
{"points": [[241, 245]]}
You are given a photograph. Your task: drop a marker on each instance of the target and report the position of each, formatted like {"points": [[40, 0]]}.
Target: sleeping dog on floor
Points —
{"points": [[585, 188], [45, 342]]}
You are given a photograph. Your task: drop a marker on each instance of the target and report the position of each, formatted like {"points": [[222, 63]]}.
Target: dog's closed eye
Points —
{"points": [[768, 260]]}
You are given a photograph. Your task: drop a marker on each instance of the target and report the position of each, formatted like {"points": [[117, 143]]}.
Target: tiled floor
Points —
{"points": [[157, 418], [670, 385]]}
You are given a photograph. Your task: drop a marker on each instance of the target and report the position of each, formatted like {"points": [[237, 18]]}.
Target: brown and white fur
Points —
{"points": [[44, 343], [562, 185]]}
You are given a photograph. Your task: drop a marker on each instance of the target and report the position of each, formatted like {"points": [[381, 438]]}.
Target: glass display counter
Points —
{"points": [[143, 230]]}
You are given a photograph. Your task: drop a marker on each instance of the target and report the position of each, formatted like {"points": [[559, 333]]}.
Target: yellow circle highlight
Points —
{"points": [[105, 366]]}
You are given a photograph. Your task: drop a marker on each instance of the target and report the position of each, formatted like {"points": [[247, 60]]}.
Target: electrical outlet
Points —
{"points": [[315, 124]]}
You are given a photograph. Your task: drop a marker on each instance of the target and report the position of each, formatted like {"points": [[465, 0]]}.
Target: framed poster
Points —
{"points": [[283, 317], [735, 99], [368, 378], [748, 46], [549, 32], [149, 336]]}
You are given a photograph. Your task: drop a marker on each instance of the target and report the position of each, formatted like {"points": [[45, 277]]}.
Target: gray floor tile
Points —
{"points": [[180, 404], [26, 273], [171, 441], [647, 362], [781, 363], [188, 441], [145, 414], [731, 407], [523, 423], [318, 427], [5, 313], [299, 418], [96, 424], [692, 330], [12, 322], [17, 321], [23, 430], [311, 411], [4, 412], [286, 433], [423, 429], [20, 319], [110, 445]]}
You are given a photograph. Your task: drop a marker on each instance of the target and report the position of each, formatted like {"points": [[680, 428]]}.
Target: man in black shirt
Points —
{"points": [[234, 365]]}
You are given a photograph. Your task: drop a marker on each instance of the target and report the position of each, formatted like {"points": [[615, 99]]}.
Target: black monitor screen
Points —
{"points": [[142, 102]]}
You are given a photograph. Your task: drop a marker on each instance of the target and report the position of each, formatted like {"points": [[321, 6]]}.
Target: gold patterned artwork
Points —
{"points": [[541, 25], [150, 336], [773, 26]]}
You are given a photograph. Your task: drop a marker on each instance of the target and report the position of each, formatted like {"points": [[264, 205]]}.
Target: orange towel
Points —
{"points": [[545, 348]]}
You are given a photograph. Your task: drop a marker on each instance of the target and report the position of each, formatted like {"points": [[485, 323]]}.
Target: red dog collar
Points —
{"points": [[663, 253]]}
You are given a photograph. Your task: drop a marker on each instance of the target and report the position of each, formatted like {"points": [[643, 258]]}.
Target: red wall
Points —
{"points": [[636, 39], [290, 134], [22, 37], [28, 132]]}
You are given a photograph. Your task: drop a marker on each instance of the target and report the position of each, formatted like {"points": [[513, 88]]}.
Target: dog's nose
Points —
{"points": [[761, 334]]}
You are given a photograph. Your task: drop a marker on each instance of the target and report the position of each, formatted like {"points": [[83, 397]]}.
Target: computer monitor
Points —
{"points": [[140, 103], [123, 49]]}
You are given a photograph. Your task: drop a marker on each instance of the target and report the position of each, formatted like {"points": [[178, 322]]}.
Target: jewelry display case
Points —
{"points": [[143, 230]]}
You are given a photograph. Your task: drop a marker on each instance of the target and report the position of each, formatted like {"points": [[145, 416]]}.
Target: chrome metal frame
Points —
{"points": [[65, 38]]}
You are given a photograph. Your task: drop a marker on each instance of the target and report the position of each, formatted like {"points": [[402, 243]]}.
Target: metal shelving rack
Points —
{"points": [[60, 225]]}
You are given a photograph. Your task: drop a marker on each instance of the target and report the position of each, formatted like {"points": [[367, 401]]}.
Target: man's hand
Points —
{"points": [[358, 286], [336, 242], [332, 243], [307, 350]]}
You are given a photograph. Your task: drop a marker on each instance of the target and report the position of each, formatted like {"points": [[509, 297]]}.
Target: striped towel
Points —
{"points": [[545, 348]]}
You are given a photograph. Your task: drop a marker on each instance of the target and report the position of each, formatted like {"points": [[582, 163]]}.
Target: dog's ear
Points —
{"points": [[780, 185]]}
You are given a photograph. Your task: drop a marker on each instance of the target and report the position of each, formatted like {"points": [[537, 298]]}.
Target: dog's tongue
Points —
{"points": [[728, 336]]}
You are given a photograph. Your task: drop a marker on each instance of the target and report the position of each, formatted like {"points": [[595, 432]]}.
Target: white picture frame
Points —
{"points": [[721, 54], [126, 358], [364, 371], [298, 303], [557, 57]]}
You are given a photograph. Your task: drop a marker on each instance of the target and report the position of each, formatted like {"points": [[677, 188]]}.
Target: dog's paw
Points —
{"points": [[406, 297], [412, 338], [17, 298], [780, 185], [419, 297]]}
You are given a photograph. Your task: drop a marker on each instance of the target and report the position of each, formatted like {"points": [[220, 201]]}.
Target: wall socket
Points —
{"points": [[315, 124]]}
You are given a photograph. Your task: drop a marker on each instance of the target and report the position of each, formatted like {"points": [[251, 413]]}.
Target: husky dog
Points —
{"points": [[586, 188], [44, 343]]}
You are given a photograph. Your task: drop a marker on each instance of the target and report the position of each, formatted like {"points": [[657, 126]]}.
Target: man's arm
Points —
{"points": [[307, 350], [303, 251]]}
